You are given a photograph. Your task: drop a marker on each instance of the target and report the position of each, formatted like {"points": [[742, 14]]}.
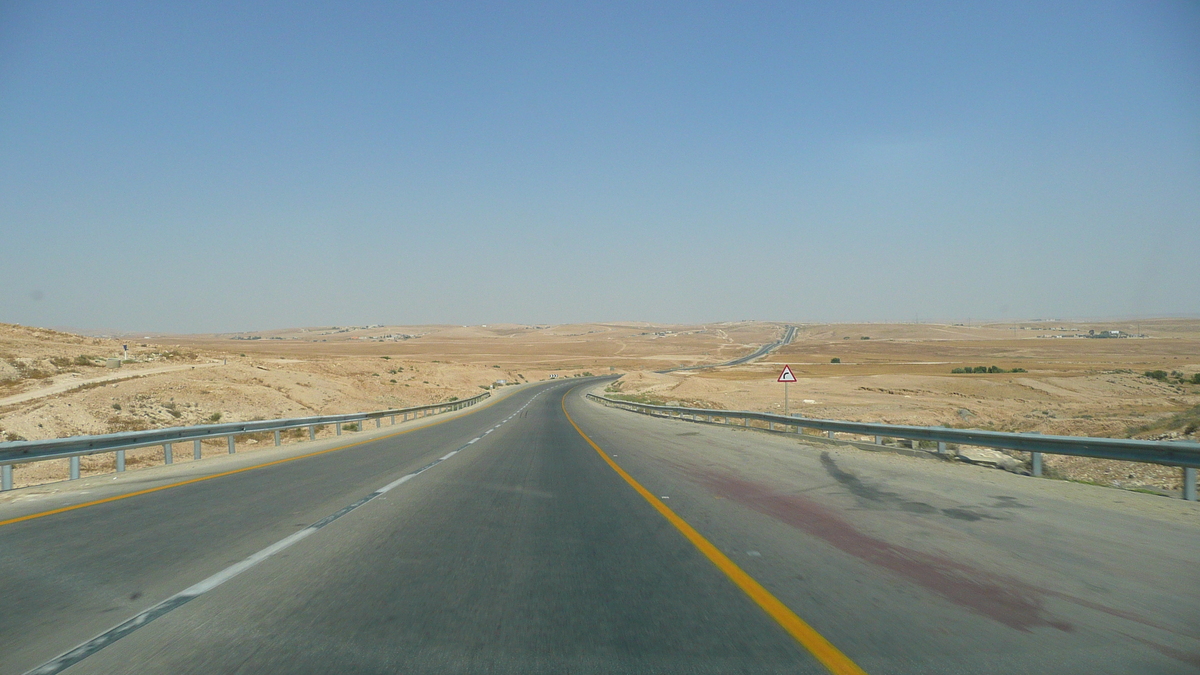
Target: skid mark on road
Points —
{"points": [[872, 494]]}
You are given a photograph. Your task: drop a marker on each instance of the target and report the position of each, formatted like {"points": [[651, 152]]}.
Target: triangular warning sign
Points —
{"points": [[786, 375]]}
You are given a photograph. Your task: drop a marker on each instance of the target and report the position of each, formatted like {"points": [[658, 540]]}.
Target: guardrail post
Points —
{"points": [[168, 455], [879, 440], [941, 447], [120, 460], [276, 437], [745, 421], [232, 447], [337, 429], [6, 477], [1036, 462], [393, 420], [916, 445], [378, 422], [75, 468], [196, 449], [1189, 483], [312, 432], [829, 434]]}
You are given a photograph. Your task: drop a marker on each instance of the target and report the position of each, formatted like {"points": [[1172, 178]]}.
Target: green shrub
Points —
{"points": [[1160, 375], [1018, 370], [215, 417], [1196, 378], [82, 360], [959, 371], [835, 360], [350, 426]]}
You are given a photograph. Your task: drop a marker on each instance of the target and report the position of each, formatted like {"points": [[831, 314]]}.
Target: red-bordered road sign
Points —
{"points": [[786, 375]]}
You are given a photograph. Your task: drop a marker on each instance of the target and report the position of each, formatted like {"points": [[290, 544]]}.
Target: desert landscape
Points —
{"points": [[1114, 379]]}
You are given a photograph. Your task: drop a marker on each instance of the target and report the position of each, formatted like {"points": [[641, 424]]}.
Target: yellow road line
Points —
{"points": [[831, 657], [43, 514]]}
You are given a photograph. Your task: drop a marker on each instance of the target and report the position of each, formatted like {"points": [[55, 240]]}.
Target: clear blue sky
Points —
{"points": [[215, 167]]}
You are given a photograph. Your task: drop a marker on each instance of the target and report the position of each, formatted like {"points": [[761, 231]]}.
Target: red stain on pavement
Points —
{"points": [[1008, 601]]}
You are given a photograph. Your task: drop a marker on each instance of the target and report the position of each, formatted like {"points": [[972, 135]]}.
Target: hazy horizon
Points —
{"points": [[233, 167]]}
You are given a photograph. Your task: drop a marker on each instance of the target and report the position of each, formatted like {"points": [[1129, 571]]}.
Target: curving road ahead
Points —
{"points": [[544, 534], [789, 334]]}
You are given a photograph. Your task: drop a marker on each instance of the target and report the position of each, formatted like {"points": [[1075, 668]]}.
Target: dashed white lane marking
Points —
{"points": [[70, 658]]}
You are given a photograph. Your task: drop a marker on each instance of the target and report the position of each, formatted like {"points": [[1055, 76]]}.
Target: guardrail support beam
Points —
{"points": [[337, 429], [1189, 483], [829, 434], [879, 440], [120, 461], [232, 446], [1036, 463], [196, 449], [378, 422], [312, 432], [276, 437], [6, 477], [75, 468], [168, 455]]}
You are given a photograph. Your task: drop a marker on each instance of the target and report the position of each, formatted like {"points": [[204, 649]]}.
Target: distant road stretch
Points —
{"points": [[502, 540], [788, 335]]}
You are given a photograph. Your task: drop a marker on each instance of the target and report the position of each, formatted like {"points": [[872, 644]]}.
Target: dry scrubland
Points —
{"points": [[52, 384], [901, 375]]}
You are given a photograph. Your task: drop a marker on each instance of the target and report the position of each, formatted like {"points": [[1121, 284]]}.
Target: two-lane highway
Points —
{"points": [[546, 534]]}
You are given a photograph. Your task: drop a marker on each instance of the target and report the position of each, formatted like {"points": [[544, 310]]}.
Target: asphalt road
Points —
{"points": [[789, 334], [525, 551]]}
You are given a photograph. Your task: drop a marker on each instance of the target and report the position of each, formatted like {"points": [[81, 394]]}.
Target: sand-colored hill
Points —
{"points": [[54, 384]]}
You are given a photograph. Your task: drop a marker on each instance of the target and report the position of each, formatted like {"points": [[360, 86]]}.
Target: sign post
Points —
{"points": [[786, 377]]}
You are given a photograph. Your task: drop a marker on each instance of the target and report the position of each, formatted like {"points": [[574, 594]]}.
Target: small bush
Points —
{"points": [[215, 417], [1160, 375], [587, 374], [386, 358], [835, 360], [453, 399], [959, 371], [1018, 370], [116, 406], [392, 381], [60, 361], [84, 361], [1196, 378], [865, 337], [351, 426]]}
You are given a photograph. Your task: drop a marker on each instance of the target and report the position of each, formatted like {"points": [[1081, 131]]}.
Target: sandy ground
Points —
{"points": [[901, 375], [53, 384]]}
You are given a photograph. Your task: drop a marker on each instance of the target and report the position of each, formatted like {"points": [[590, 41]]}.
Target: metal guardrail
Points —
{"points": [[1170, 453], [22, 452]]}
